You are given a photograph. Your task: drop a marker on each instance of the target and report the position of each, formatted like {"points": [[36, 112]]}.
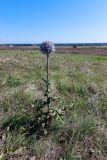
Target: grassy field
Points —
{"points": [[80, 82]]}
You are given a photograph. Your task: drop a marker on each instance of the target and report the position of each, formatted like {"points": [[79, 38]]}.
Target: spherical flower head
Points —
{"points": [[47, 47]]}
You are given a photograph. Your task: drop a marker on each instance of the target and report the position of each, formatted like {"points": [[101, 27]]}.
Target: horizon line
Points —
{"points": [[54, 43]]}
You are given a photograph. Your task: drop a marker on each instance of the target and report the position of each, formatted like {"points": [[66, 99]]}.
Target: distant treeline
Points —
{"points": [[59, 44], [81, 44]]}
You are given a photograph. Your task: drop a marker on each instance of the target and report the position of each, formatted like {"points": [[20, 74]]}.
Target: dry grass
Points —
{"points": [[81, 83]]}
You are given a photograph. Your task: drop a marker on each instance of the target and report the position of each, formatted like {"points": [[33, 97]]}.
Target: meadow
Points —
{"points": [[80, 82]]}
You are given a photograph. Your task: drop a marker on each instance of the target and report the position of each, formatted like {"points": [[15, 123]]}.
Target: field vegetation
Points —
{"points": [[80, 82]]}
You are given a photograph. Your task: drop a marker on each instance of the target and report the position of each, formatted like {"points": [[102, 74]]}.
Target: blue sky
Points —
{"points": [[32, 21]]}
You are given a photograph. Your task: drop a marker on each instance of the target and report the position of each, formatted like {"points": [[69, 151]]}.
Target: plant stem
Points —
{"points": [[47, 81]]}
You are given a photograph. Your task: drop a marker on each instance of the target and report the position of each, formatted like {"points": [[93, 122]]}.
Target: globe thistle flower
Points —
{"points": [[47, 47]]}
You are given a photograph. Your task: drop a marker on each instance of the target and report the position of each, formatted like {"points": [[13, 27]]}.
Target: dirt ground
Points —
{"points": [[86, 50], [83, 50]]}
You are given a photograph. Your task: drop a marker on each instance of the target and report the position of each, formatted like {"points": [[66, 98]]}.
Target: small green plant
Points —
{"points": [[13, 81]]}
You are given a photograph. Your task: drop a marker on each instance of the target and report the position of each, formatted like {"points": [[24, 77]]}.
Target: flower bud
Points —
{"points": [[47, 47]]}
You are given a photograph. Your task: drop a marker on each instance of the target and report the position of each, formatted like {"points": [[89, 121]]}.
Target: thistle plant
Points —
{"points": [[44, 113], [47, 48]]}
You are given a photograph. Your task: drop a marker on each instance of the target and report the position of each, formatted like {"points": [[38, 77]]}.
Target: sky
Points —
{"points": [[60, 21]]}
